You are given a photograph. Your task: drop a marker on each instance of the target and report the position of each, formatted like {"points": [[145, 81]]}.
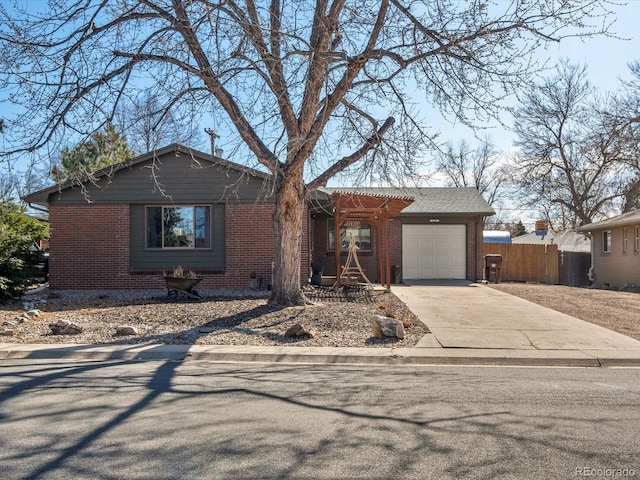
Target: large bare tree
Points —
{"points": [[310, 86], [620, 116], [465, 166], [569, 162], [150, 124], [480, 167]]}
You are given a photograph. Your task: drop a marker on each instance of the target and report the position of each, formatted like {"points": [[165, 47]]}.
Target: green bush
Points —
{"points": [[18, 234]]}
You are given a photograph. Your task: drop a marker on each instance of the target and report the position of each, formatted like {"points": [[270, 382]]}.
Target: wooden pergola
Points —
{"points": [[377, 211]]}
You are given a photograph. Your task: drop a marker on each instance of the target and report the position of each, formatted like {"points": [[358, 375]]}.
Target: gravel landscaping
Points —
{"points": [[338, 318]]}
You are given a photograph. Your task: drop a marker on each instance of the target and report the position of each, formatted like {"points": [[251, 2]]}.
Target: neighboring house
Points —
{"points": [[178, 206], [615, 249], [568, 241], [496, 236]]}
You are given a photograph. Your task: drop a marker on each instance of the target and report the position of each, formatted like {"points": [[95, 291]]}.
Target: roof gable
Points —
{"points": [[159, 170]]}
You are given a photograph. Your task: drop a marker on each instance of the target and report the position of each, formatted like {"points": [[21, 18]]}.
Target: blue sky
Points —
{"points": [[606, 59]]}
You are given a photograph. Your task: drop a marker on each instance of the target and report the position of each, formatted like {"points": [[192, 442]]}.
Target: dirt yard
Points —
{"points": [[618, 311]]}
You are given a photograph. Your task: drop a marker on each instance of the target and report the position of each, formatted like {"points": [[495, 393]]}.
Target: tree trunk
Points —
{"points": [[287, 223]]}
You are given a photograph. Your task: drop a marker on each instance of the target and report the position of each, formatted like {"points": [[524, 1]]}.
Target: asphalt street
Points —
{"points": [[195, 420]]}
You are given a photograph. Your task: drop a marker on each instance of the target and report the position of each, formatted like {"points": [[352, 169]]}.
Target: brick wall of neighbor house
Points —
{"points": [[89, 248]]}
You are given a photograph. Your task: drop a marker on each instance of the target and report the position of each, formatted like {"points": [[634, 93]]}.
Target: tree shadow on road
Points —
{"points": [[225, 409]]}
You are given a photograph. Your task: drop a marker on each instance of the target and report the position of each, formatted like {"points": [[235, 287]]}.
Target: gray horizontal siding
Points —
{"points": [[170, 179], [195, 259]]}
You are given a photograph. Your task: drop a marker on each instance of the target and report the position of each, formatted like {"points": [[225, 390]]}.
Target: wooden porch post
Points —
{"points": [[379, 249], [388, 248], [337, 244]]}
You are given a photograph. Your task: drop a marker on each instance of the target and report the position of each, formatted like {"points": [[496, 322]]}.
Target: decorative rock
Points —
{"points": [[387, 327], [7, 332], [10, 323], [32, 313], [301, 331], [126, 330], [65, 327]]}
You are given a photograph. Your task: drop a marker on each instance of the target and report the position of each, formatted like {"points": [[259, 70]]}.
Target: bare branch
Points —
{"points": [[344, 163]]}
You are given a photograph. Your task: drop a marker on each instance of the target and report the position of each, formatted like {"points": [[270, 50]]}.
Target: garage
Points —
{"points": [[434, 252]]}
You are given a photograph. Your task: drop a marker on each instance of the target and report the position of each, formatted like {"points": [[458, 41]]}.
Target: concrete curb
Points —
{"points": [[325, 355]]}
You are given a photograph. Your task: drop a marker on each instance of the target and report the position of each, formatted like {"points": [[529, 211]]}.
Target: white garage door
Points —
{"points": [[434, 252]]}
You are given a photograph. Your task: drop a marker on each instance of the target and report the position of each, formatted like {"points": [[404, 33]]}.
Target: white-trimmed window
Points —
{"points": [[183, 227], [636, 240], [361, 231], [606, 241], [625, 239]]}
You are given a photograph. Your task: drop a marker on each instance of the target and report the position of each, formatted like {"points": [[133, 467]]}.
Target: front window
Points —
{"points": [[625, 241], [179, 227], [360, 230], [636, 243], [606, 241]]}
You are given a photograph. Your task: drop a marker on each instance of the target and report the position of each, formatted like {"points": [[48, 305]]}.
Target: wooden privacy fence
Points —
{"points": [[574, 268], [526, 263]]}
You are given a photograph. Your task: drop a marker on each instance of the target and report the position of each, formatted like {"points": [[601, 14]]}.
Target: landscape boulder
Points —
{"points": [[65, 327], [387, 327], [300, 330], [126, 330]]}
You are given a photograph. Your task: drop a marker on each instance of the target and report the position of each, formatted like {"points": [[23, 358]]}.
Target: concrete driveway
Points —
{"points": [[467, 315]]}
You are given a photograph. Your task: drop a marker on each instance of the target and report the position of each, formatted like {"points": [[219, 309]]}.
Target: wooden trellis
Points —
{"points": [[377, 211], [352, 271]]}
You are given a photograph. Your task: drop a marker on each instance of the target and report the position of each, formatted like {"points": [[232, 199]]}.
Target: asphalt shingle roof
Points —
{"points": [[567, 241], [629, 218], [432, 200]]}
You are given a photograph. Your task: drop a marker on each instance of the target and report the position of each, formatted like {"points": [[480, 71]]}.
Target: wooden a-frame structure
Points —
{"points": [[377, 211]]}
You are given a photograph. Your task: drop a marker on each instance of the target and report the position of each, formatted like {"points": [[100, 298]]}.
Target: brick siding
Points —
{"points": [[89, 248], [475, 245]]}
